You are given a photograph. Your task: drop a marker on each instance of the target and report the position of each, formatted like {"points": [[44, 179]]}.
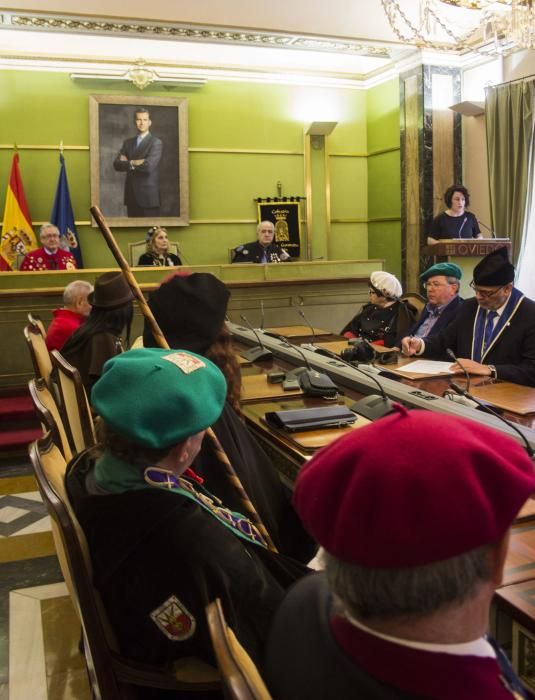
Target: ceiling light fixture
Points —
{"points": [[488, 26]]}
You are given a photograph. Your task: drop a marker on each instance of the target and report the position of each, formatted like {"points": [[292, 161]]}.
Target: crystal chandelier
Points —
{"points": [[490, 26]]}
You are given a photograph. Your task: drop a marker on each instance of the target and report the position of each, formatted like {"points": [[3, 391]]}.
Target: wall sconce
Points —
{"points": [[318, 131]]}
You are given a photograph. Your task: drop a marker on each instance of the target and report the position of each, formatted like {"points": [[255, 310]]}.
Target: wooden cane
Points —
{"points": [[162, 342]]}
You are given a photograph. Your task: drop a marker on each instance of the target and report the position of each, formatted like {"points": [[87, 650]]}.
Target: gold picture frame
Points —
{"points": [[129, 189]]}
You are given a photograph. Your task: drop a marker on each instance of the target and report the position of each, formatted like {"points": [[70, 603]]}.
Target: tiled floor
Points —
{"points": [[39, 632]]}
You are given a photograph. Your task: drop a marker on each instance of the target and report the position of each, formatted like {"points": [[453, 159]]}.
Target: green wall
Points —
{"points": [[40, 108], [384, 188]]}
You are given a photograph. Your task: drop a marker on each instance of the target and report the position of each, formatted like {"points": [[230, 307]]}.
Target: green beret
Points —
{"points": [[158, 398], [446, 269]]}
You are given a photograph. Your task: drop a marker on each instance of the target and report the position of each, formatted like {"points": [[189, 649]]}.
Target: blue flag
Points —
{"points": [[62, 215]]}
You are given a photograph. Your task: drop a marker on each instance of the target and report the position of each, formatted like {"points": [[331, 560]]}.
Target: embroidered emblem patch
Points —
{"points": [[174, 620], [186, 363]]}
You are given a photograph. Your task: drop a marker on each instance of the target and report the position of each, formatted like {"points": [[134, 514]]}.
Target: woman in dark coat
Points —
{"points": [[100, 337], [386, 317], [157, 253]]}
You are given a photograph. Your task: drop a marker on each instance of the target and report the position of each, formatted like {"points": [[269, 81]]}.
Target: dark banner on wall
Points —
{"points": [[286, 216]]}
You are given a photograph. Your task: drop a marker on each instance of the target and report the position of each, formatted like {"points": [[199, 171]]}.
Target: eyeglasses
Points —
{"points": [[433, 285], [484, 294]]}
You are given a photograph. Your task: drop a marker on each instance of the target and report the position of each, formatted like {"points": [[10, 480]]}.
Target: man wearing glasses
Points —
{"points": [[494, 333], [441, 282], [50, 256]]}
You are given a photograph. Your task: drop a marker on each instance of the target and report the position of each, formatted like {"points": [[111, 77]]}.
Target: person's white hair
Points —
{"points": [[76, 289]]}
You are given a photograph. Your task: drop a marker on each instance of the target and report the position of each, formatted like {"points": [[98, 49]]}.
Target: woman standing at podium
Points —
{"points": [[455, 222]]}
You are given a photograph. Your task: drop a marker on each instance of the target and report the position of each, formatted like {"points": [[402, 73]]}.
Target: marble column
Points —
{"points": [[431, 158]]}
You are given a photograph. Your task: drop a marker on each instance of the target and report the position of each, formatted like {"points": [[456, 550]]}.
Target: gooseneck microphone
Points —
{"points": [[312, 382], [451, 354], [488, 228], [489, 409], [257, 352], [371, 406], [262, 317], [305, 319]]}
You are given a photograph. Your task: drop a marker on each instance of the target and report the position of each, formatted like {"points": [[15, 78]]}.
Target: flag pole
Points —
{"points": [[162, 342]]}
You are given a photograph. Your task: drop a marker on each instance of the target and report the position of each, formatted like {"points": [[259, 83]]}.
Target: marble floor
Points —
{"points": [[39, 632]]}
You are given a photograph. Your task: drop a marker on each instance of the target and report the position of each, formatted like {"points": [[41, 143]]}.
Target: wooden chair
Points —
{"points": [[42, 364], [36, 320], [48, 413], [239, 676], [74, 404], [136, 249], [112, 676], [416, 300]]}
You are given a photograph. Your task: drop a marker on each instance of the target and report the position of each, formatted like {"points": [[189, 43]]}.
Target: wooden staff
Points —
{"points": [[162, 342]]}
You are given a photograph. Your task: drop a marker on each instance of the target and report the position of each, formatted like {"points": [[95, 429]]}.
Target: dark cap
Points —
{"points": [[190, 310], [111, 291], [494, 270], [447, 269]]}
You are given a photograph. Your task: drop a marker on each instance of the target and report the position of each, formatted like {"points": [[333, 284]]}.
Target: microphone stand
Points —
{"points": [[451, 354], [257, 352], [490, 230], [484, 407], [372, 406]]}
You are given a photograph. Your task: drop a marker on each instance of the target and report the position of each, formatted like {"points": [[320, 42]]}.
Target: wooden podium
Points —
{"points": [[466, 253]]}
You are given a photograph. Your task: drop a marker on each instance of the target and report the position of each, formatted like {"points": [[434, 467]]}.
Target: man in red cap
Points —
{"points": [[493, 334], [414, 544]]}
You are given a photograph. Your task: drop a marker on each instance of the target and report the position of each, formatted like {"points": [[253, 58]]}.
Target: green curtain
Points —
{"points": [[509, 117]]}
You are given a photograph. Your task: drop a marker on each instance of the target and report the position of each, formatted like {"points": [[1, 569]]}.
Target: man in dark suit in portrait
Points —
{"points": [[139, 158]]}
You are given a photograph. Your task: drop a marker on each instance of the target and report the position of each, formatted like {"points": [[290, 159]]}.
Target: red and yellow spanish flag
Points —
{"points": [[18, 237]]}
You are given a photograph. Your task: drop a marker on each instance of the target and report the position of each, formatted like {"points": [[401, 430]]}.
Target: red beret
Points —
{"points": [[413, 488]]}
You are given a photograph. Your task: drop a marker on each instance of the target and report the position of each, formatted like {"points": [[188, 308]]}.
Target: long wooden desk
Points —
{"points": [[330, 291]]}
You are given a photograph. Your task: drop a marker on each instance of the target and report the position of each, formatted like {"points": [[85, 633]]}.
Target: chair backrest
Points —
{"points": [[42, 364], [136, 249], [112, 676], [36, 321], [49, 468], [75, 406], [239, 676], [416, 300], [48, 413]]}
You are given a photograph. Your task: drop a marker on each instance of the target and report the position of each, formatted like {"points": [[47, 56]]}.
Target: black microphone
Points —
{"points": [[257, 352], [305, 319], [312, 382], [371, 406], [451, 354], [489, 409], [490, 230]]}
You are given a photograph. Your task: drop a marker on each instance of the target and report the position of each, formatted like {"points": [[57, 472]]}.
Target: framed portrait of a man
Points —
{"points": [[139, 159]]}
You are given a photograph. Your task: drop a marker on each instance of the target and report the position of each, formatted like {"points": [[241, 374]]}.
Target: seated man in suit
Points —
{"points": [[263, 250], [443, 300], [493, 334], [414, 547]]}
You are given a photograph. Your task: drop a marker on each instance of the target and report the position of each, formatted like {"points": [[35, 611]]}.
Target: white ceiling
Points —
{"points": [[339, 42]]}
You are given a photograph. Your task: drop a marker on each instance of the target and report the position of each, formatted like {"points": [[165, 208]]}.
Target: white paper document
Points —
{"points": [[427, 367]]}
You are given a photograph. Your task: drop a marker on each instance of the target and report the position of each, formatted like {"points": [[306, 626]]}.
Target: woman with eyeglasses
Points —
{"points": [[157, 253], [386, 317], [455, 222]]}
